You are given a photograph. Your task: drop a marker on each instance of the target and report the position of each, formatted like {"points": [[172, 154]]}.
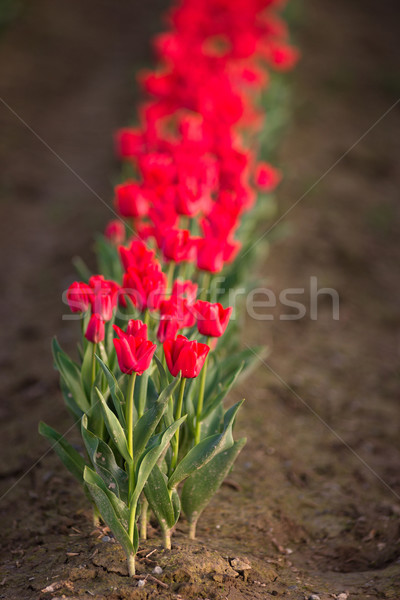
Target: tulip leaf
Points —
{"points": [[72, 406], [161, 371], [157, 495], [115, 391], [114, 428], [222, 391], [107, 510], [86, 370], [146, 425], [81, 268], [151, 458], [201, 486], [71, 375], [205, 450], [104, 462], [71, 458]]}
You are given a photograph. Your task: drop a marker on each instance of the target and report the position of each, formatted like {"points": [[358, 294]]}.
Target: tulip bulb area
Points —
{"points": [[159, 350]]}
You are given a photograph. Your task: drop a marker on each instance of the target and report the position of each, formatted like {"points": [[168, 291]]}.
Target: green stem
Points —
{"points": [[129, 430], [132, 518], [178, 412], [170, 275], [143, 519], [201, 400], [192, 530], [205, 284], [143, 393], [183, 270], [166, 538], [93, 378], [131, 565]]}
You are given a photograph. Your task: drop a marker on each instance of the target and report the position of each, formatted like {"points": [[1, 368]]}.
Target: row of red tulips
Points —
{"points": [[191, 170]]}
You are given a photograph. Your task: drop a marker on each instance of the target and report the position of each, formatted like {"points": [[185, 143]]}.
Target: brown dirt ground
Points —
{"points": [[318, 505]]}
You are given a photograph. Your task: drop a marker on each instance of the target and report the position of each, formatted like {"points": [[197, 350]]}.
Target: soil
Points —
{"points": [[313, 506]]}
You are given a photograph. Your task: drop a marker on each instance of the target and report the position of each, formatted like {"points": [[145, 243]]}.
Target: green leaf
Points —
{"points": [[74, 462], [222, 391], [201, 486], [114, 428], [161, 371], [151, 458], [107, 510], [146, 425], [205, 450], [86, 370], [115, 391], [81, 268], [71, 375], [104, 462], [157, 494]]}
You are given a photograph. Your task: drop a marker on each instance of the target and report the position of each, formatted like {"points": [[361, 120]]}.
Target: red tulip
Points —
{"points": [[130, 200], [145, 288], [78, 296], [184, 289], [210, 254], [135, 328], [129, 142], [95, 329], [267, 177], [185, 356], [137, 255], [212, 319], [178, 245], [115, 232], [168, 328], [134, 352], [104, 296]]}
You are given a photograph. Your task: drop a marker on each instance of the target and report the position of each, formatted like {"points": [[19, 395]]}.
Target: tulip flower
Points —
{"points": [[210, 254], [115, 232], [130, 200], [267, 177], [134, 353], [168, 328], [95, 329], [212, 319], [145, 288], [137, 255], [178, 245], [135, 328], [104, 296], [185, 356], [78, 296]]}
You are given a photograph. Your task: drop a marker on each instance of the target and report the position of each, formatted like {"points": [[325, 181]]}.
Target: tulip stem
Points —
{"points": [[143, 519], [170, 275], [205, 284], [178, 412], [129, 427], [94, 348], [143, 393], [201, 400]]}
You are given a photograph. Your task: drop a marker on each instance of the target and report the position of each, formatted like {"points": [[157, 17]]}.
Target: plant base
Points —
{"points": [[131, 565], [166, 537], [192, 530]]}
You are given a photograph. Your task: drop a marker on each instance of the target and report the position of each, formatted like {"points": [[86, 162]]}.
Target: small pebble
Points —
{"points": [[106, 538], [343, 596], [313, 597], [157, 570], [141, 583]]}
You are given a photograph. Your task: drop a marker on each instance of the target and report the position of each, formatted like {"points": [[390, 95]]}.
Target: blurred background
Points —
{"points": [[329, 391]]}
